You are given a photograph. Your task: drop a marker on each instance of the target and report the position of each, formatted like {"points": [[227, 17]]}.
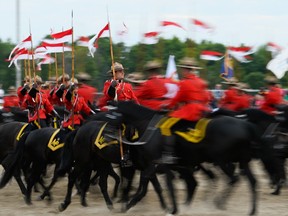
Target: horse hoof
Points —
{"points": [[39, 198], [275, 193], [84, 204], [110, 207], [219, 204], [27, 201], [62, 207]]}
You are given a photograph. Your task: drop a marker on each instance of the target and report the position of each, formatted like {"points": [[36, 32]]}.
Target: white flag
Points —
{"points": [[171, 71], [279, 64]]}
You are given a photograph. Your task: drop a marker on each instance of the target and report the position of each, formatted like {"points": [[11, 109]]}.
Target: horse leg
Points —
{"points": [[169, 183], [52, 183], [127, 174], [116, 178], [32, 179], [280, 178], [253, 183], [228, 170], [103, 186], [141, 191], [191, 184], [158, 189], [84, 184], [22, 187], [71, 181]]}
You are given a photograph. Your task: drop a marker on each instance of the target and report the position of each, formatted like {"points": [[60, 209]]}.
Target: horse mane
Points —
{"points": [[135, 111], [254, 115]]}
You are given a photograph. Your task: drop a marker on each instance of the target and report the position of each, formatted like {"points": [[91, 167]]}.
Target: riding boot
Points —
{"points": [[168, 154]]}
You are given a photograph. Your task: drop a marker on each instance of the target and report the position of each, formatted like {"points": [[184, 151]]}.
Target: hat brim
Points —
{"points": [[190, 67], [135, 81], [228, 83]]}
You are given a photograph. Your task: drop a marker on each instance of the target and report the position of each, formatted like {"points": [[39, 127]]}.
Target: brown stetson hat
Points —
{"points": [[271, 80], [231, 81], [117, 66], [82, 76], [135, 77], [151, 65], [188, 62]]}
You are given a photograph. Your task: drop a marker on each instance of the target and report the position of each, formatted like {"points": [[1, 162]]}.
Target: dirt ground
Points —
{"points": [[12, 203]]}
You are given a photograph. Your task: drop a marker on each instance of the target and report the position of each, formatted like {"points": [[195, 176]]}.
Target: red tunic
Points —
{"points": [[78, 106], [10, 101], [152, 93], [38, 107], [87, 92], [124, 92], [191, 97], [229, 100], [273, 97]]}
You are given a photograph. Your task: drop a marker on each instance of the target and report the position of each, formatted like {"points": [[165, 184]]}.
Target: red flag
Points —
{"points": [[201, 25], [151, 34], [56, 48], [106, 28], [168, 23], [83, 41], [62, 37], [211, 55], [93, 42], [26, 43]]}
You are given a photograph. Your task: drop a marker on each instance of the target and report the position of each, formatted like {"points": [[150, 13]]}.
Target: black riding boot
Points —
{"points": [[168, 154]]}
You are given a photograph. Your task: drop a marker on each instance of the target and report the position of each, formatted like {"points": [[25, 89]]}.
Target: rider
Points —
{"points": [[152, 92], [22, 90], [11, 99], [85, 90], [74, 105], [38, 106], [230, 96], [272, 97], [116, 88], [191, 101]]}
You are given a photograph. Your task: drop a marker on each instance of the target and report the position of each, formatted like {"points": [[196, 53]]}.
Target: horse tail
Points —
{"points": [[13, 161], [67, 154]]}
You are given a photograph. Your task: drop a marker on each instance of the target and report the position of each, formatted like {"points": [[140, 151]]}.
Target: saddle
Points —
{"points": [[197, 134]]}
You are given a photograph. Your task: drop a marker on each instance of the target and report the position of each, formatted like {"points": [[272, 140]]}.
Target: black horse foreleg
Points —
{"points": [[229, 171], [127, 174], [169, 182], [52, 183], [141, 191], [116, 178], [104, 188], [71, 181], [253, 184], [191, 184], [84, 185]]}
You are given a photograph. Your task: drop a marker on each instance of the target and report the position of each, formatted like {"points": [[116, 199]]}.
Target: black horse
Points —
{"points": [[92, 141], [37, 149], [227, 140], [8, 141], [274, 143]]}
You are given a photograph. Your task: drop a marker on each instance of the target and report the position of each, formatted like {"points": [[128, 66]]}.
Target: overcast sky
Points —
{"points": [[251, 22]]}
